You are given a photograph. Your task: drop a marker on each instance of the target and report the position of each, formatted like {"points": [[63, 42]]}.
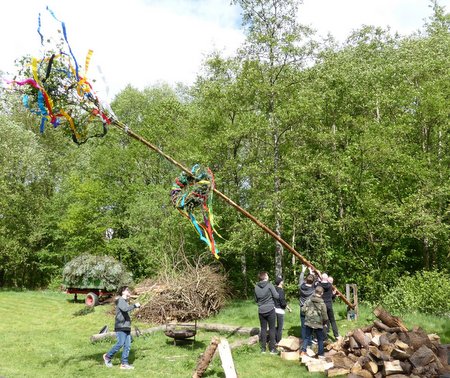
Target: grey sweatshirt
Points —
{"points": [[123, 320], [264, 294]]}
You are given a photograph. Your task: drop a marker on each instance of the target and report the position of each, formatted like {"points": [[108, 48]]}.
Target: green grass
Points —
{"points": [[41, 336]]}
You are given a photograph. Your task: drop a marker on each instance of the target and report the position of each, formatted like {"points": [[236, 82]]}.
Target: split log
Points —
{"points": [[416, 338], [392, 367], [101, 336], [336, 372], [239, 330], [342, 361], [400, 354], [422, 357], [361, 338], [291, 343], [353, 344], [315, 366], [356, 368], [388, 319], [401, 345], [290, 356], [206, 358], [362, 374], [371, 366]]}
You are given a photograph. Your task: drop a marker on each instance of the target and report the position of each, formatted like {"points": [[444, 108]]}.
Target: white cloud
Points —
{"points": [[145, 41]]}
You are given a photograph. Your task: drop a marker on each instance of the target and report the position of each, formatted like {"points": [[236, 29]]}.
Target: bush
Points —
{"points": [[427, 292], [95, 272]]}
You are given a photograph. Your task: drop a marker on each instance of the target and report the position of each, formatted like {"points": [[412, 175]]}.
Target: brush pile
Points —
{"points": [[196, 292]]}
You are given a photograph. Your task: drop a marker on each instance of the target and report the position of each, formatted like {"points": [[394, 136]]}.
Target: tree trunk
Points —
{"points": [[227, 328], [388, 319]]}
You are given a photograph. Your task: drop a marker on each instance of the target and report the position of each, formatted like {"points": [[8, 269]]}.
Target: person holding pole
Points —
{"points": [[122, 327], [306, 289]]}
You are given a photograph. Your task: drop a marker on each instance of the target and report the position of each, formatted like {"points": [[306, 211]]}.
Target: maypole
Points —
{"points": [[261, 225], [56, 89]]}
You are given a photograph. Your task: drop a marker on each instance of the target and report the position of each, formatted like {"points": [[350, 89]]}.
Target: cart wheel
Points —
{"points": [[91, 300]]}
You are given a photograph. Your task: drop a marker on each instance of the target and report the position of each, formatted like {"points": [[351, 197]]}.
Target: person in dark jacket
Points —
{"points": [[315, 318], [265, 294], [280, 307], [306, 289], [327, 283], [122, 326]]}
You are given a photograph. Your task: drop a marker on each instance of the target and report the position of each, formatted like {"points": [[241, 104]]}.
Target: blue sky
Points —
{"points": [[143, 42]]}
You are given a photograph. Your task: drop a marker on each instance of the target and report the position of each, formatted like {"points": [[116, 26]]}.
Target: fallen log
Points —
{"points": [[233, 330], [101, 336], [252, 340]]}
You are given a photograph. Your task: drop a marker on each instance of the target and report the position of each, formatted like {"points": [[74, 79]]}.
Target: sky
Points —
{"points": [[146, 42]]}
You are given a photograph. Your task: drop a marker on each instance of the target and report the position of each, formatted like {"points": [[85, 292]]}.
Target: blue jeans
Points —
{"points": [[123, 340], [308, 335]]}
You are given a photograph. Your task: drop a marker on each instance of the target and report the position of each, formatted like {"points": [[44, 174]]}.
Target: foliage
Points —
{"points": [[95, 272], [427, 292]]}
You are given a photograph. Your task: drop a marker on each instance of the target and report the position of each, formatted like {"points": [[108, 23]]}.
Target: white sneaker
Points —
{"points": [[126, 367], [107, 360]]}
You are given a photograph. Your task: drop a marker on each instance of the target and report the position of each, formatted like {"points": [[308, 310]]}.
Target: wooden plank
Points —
{"points": [[227, 359]]}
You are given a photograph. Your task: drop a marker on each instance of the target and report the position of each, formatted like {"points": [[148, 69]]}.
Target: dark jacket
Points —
{"points": [[281, 301], [305, 290], [265, 294], [327, 292], [320, 317], [123, 320]]}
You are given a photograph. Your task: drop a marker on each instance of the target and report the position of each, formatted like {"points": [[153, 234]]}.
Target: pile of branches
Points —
{"points": [[196, 292]]}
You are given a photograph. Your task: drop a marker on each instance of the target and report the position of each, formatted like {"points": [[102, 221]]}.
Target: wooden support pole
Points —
{"points": [[206, 358], [286, 245]]}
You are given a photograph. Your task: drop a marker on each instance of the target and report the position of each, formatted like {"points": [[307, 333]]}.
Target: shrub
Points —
{"points": [[95, 272], [427, 292]]}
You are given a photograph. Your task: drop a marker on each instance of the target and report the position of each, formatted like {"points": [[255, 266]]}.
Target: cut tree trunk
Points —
{"points": [[388, 319], [226, 328]]}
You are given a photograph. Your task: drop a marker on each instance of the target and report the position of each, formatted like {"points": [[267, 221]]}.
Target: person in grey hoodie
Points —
{"points": [[265, 293], [122, 327]]}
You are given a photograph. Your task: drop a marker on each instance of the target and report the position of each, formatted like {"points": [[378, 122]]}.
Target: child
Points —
{"points": [[315, 317], [122, 327]]}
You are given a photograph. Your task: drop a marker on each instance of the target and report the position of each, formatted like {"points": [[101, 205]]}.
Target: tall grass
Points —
{"points": [[44, 334]]}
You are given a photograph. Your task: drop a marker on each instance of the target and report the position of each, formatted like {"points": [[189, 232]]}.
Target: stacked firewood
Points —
{"points": [[197, 292], [384, 348]]}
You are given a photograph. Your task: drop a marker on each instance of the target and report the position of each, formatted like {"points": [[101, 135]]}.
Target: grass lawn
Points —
{"points": [[41, 336]]}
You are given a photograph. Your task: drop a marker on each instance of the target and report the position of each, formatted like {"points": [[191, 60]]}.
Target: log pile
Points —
{"points": [[386, 348], [195, 293]]}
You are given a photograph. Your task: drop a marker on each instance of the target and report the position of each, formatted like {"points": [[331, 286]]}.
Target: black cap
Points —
{"points": [[278, 280]]}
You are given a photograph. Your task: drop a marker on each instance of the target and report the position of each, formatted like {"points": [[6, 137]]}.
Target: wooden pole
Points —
{"points": [[286, 245]]}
